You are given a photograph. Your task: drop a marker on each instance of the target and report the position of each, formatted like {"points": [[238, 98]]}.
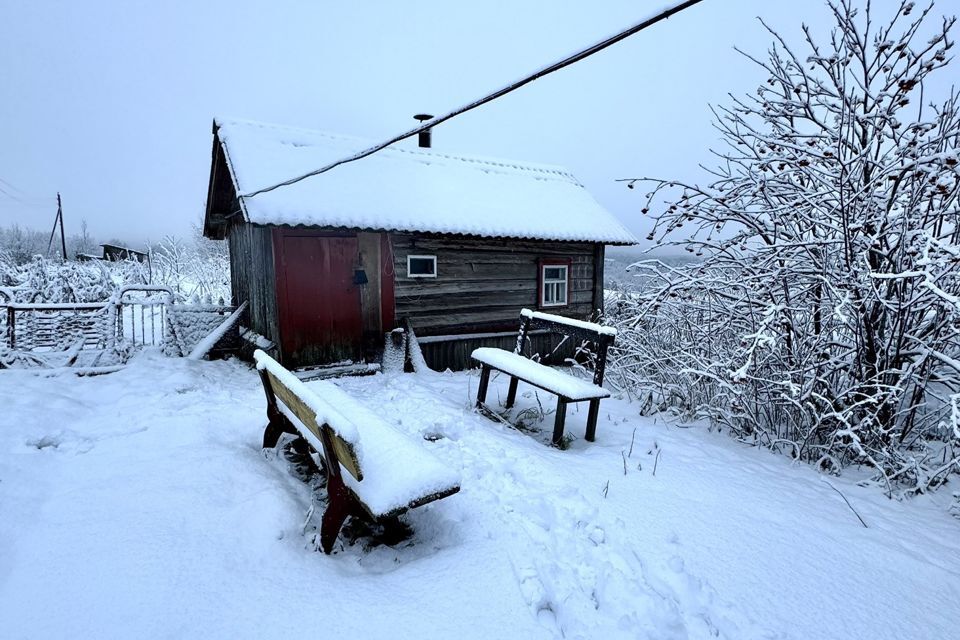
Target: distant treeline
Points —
{"points": [[19, 244]]}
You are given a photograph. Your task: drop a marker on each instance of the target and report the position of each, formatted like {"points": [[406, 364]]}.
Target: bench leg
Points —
{"points": [[559, 421], [592, 420], [271, 435], [512, 392], [276, 427], [338, 508], [484, 383]]}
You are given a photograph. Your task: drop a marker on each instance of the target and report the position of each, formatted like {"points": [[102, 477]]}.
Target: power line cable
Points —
{"points": [[556, 66], [23, 204], [19, 195], [12, 186]]}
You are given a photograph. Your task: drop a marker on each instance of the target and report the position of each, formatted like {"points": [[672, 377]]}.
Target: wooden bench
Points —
{"points": [[373, 471], [567, 388]]}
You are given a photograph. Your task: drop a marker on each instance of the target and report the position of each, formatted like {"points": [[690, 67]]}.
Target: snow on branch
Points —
{"points": [[822, 313]]}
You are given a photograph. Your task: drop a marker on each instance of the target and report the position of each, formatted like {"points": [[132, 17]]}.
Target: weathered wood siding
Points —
{"points": [[253, 277], [482, 283], [551, 348]]}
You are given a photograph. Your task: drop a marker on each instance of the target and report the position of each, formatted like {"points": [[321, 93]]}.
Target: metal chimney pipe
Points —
{"points": [[424, 139]]}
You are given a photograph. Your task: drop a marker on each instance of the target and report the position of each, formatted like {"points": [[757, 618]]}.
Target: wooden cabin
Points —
{"points": [[451, 244]]}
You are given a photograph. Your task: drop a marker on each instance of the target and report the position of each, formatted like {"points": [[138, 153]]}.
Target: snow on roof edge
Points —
{"points": [[603, 233], [610, 243]]}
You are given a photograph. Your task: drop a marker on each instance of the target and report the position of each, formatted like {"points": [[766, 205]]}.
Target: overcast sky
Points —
{"points": [[111, 103]]}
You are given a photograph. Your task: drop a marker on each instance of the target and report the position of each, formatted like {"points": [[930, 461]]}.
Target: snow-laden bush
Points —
{"points": [[825, 314], [196, 271], [57, 282]]}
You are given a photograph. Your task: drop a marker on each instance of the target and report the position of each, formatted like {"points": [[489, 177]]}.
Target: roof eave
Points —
{"points": [[216, 223]]}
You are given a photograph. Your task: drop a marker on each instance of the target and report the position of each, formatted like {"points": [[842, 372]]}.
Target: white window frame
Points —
{"points": [[564, 282], [422, 275]]}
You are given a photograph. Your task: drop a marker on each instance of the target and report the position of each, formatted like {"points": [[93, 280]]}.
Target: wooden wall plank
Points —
{"points": [[455, 354], [252, 277], [483, 283]]}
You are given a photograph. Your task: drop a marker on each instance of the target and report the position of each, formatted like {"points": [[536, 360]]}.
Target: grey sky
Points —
{"points": [[111, 102]]}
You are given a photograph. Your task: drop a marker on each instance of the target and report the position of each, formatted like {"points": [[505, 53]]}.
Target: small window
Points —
{"points": [[553, 284], [421, 266]]}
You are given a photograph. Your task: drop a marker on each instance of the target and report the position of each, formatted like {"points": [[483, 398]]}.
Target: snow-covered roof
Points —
{"points": [[403, 189]]}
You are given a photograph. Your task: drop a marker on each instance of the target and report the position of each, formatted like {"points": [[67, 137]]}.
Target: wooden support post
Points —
{"points": [[592, 415], [484, 383], [559, 421], [598, 263], [512, 392]]}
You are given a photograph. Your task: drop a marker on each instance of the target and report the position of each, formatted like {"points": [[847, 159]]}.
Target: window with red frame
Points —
{"points": [[554, 285]]}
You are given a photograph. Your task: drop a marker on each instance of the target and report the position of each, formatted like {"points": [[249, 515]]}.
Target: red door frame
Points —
{"points": [[280, 265]]}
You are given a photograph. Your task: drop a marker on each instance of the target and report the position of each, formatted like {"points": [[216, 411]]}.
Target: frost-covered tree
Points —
{"points": [[81, 243], [198, 271], [19, 245], [212, 267], [824, 317]]}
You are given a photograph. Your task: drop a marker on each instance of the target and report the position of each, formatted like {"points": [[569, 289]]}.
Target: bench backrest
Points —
{"points": [[297, 398], [601, 336]]}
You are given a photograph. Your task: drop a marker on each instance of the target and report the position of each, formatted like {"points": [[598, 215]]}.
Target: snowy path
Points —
{"points": [[138, 504], [575, 581]]}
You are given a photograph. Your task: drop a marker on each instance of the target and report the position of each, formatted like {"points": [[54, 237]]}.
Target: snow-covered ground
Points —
{"points": [[139, 504]]}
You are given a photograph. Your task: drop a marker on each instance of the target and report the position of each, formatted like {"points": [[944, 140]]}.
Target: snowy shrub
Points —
{"points": [[55, 282], [824, 316]]}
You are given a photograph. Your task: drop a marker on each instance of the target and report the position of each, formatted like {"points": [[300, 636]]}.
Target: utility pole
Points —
{"points": [[63, 239]]}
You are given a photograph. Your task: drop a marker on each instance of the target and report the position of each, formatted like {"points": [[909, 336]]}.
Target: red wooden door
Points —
{"points": [[320, 319]]}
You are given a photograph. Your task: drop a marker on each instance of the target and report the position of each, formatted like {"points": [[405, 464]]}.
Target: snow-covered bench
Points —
{"points": [[567, 388], [373, 470]]}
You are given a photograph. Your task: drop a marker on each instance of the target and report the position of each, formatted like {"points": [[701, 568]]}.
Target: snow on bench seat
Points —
{"points": [[540, 375], [397, 471], [393, 472]]}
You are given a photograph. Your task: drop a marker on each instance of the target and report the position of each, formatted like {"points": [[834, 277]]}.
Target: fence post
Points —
{"points": [[11, 327], [522, 334]]}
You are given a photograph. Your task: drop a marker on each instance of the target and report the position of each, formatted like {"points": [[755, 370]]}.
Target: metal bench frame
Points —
{"points": [[530, 322]]}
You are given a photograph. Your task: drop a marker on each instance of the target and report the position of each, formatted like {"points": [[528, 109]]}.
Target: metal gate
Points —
{"points": [[141, 314]]}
